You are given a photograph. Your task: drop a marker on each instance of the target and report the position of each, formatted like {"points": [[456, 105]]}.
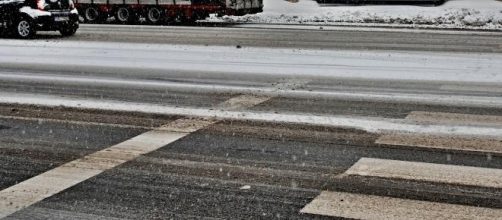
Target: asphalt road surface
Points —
{"points": [[315, 37], [95, 134]]}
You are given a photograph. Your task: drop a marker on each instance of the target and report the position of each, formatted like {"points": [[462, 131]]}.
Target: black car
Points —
{"points": [[23, 18]]}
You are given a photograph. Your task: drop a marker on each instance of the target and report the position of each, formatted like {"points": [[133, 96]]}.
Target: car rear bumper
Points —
{"points": [[57, 20]]}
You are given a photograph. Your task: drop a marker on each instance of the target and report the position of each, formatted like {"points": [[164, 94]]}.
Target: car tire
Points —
{"points": [[68, 31], [24, 28]]}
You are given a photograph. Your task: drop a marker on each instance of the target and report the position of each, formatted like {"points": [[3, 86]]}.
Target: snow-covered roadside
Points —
{"points": [[457, 14]]}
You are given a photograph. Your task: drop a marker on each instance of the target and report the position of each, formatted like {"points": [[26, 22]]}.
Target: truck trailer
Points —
{"points": [[159, 11]]}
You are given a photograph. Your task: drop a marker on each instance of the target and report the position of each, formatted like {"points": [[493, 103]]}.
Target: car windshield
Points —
{"points": [[251, 109]]}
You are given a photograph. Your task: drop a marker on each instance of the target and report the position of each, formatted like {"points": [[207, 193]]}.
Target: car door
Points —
{"points": [[2, 12]]}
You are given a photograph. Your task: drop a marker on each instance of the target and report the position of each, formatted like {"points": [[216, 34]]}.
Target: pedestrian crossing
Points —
{"points": [[45, 185], [365, 206], [359, 205]]}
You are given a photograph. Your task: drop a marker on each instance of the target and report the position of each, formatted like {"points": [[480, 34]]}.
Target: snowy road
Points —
{"points": [[197, 127], [297, 37], [445, 79], [276, 63]]}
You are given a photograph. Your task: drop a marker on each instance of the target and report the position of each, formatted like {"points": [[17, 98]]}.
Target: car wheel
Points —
{"points": [[154, 15], [24, 28], [68, 31]]}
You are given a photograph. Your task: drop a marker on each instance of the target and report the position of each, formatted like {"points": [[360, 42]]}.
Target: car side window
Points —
{"points": [[31, 3]]}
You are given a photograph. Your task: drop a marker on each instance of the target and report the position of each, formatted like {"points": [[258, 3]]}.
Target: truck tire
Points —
{"points": [[24, 28], [154, 15], [92, 15], [124, 16]]}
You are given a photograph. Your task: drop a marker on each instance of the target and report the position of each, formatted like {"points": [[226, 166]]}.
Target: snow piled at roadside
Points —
{"points": [[462, 14]]}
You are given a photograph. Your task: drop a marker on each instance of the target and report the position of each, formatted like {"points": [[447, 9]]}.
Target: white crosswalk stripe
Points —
{"points": [[58, 179], [419, 171], [359, 206], [37, 188]]}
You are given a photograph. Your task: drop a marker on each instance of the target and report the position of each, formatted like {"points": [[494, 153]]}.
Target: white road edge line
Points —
{"points": [[375, 125], [419, 171], [359, 206]]}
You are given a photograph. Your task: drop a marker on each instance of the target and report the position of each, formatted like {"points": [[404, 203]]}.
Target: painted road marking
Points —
{"points": [[235, 103], [358, 206], [243, 102], [418, 171], [56, 180], [276, 91], [472, 144], [455, 118], [370, 124]]}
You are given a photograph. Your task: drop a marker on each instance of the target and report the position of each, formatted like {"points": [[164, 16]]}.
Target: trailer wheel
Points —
{"points": [[92, 15], [124, 16], [154, 15], [24, 28]]}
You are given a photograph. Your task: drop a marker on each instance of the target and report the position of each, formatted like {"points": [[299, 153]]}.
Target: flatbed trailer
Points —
{"points": [[160, 11]]}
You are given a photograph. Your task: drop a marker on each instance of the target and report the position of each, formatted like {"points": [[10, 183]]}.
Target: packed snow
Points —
{"points": [[458, 14], [383, 65]]}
